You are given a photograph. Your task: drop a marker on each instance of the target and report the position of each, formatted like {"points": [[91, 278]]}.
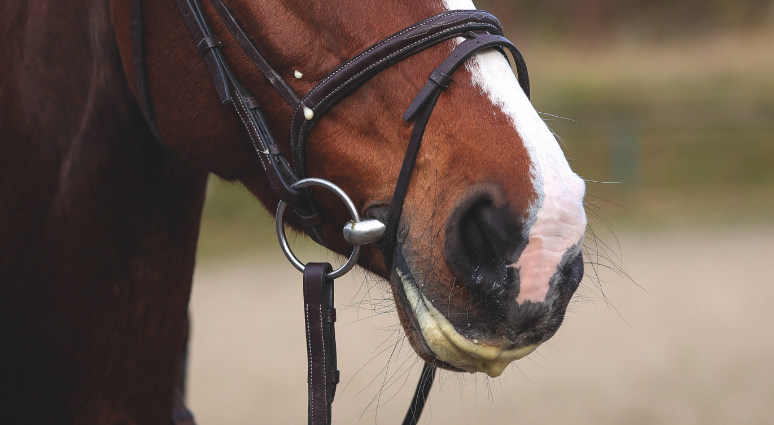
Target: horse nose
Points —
{"points": [[483, 236]]}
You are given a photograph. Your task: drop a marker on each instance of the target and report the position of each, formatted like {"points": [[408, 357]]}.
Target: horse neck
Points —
{"points": [[75, 127], [100, 223]]}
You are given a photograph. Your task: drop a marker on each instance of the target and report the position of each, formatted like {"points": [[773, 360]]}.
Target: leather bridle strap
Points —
{"points": [[404, 178], [371, 61], [273, 162], [277, 169], [320, 316], [422, 107], [276, 80], [208, 46], [309, 216], [441, 77], [424, 386]]}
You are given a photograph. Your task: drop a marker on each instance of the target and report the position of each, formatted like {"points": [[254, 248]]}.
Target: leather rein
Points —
{"points": [[480, 30]]}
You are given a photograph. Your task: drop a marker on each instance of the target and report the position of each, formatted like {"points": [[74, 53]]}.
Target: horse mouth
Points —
{"points": [[444, 343]]}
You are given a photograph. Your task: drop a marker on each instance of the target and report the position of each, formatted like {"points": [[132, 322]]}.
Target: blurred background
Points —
{"points": [[666, 108]]}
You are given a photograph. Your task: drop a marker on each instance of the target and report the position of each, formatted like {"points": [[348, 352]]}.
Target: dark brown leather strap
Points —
{"points": [[313, 220], [275, 166], [194, 17], [207, 44], [404, 179], [424, 386], [140, 68], [277, 169], [440, 78], [421, 108], [361, 68], [279, 84], [320, 316]]}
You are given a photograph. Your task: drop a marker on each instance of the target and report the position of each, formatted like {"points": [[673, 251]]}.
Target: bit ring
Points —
{"points": [[341, 271]]}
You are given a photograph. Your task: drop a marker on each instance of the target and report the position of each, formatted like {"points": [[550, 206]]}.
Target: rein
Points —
{"points": [[480, 30]]}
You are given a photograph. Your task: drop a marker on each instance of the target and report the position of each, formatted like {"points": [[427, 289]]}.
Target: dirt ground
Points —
{"points": [[694, 344]]}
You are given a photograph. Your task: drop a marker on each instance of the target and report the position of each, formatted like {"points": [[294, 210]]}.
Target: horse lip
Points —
{"points": [[441, 339], [412, 326]]}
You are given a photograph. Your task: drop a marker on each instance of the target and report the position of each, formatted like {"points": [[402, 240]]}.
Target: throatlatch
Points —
{"points": [[480, 30]]}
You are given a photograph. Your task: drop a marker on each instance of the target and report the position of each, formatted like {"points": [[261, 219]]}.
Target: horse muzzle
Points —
{"points": [[467, 308]]}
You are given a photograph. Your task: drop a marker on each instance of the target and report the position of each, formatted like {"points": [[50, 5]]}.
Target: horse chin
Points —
{"points": [[437, 341]]}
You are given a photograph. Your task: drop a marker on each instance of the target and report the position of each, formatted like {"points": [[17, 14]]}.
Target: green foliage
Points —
{"points": [[233, 221], [684, 127]]}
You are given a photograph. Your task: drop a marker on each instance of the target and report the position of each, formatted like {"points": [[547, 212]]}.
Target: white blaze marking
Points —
{"points": [[557, 220]]}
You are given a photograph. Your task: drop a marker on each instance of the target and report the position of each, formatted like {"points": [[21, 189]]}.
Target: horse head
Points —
{"points": [[488, 249]]}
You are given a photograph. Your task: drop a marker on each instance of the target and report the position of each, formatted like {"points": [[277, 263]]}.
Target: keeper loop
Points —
{"points": [[440, 79], [207, 44]]}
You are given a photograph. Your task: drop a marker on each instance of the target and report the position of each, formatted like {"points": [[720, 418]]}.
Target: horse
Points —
{"points": [[101, 206]]}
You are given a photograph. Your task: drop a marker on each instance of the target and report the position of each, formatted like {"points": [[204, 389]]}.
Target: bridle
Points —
{"points": [[480, 29]]}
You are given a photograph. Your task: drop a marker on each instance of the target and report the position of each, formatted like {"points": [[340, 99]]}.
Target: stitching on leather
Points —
{"points": [[325, 364], [309, 356], [292, 127], [373, 47], [476, 18], [252, 138], [375, 64], [251, 50], [336, 90], [297, 131], [346, 64], [377, 45], [386, 40]]}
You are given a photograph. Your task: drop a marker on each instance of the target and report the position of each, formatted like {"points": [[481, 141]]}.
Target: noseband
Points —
{"points": [[479, 29]]}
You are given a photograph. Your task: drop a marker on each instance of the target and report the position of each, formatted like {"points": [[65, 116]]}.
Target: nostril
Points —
{"points": [[487, 268], [479, 243], [475, 240]]}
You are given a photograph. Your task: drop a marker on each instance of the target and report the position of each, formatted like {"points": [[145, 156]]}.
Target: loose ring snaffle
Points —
{"points": [[341, 271]]}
